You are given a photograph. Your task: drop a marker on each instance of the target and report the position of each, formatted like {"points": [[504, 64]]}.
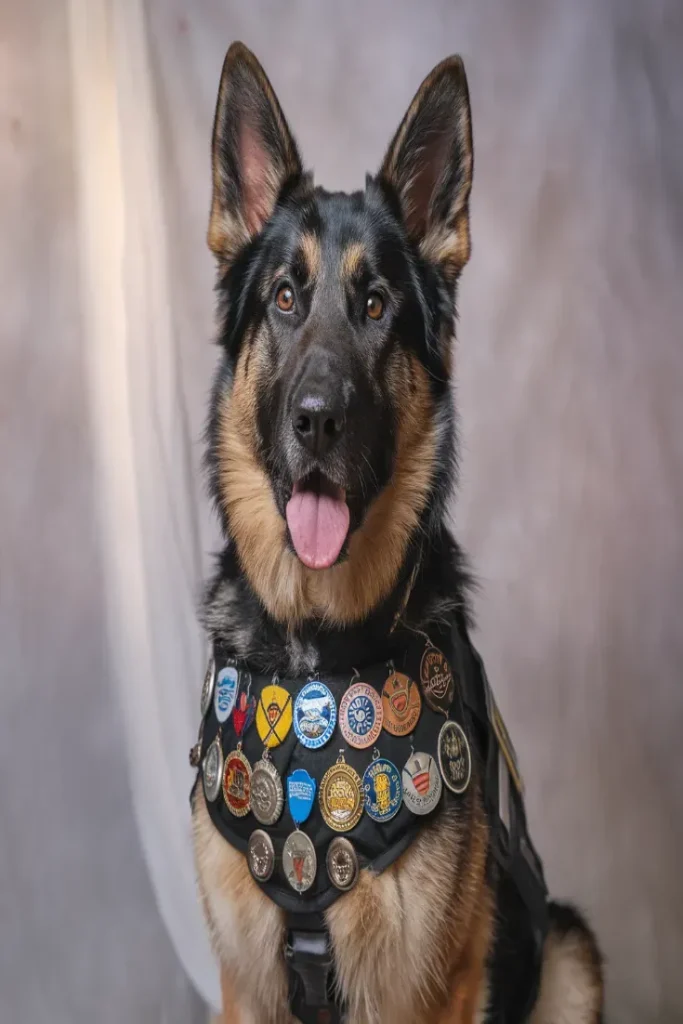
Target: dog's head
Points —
{"points": [[331, 428]]}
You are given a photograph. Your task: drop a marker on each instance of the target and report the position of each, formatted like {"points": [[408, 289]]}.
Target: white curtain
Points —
{"points": [[570, 366]]}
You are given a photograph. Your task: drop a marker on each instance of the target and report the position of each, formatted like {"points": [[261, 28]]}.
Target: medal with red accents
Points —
{"points": [[237, 779]]}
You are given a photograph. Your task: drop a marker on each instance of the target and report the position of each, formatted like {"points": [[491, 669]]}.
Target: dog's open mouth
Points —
{"points": [[318, 520]]}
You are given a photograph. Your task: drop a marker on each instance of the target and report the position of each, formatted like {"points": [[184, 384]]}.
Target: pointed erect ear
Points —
{"points": [[429, 166], [253, 152]]}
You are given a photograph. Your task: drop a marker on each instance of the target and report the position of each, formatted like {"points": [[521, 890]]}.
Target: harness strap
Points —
{"points": [[310, 967]]}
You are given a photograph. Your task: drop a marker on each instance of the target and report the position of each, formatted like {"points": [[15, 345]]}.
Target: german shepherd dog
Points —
{"points": [[332, 457]]}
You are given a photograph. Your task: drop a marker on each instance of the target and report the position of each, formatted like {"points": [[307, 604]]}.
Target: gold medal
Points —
{"points": [[341, 796], [274, 715], [401, 704]]}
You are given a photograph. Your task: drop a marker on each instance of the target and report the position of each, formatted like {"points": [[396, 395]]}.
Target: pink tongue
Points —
{"points": [[318, 525]]}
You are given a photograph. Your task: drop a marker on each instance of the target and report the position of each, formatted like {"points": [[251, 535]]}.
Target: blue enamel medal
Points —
{"points": [[383, 789], [315, 715], [225, 694], [300, 795]]}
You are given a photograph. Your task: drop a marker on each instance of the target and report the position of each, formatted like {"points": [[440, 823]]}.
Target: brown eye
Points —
{"points": [[374, 306], [284, 297]]}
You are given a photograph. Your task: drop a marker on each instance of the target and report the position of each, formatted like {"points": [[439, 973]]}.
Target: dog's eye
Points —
{"points": [[284, 298], [374, 307]]}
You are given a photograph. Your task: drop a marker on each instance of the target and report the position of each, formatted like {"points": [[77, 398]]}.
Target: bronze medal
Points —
{"points": [[261, 855], [341, 797], [299, 861], [455, 761], [342, 864], [237, 783], [401, 704], [438, 685]]}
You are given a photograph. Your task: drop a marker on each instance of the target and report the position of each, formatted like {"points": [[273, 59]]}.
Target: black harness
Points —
{"points": [[514, 867]]}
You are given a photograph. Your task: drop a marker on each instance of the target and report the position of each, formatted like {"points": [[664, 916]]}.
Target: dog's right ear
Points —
{"points": [[254, 154]]}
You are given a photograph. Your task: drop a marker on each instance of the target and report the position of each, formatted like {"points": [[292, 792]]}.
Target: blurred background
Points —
{"points": [[570, 391]]}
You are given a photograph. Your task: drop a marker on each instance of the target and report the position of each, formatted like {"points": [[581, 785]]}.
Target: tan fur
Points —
{"points": [[409, 944], [347, 592], [351, 260], [571, 982], [310, 250]]}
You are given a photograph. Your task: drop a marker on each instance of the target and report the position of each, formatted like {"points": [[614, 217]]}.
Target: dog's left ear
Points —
{"points": [[253, 152], [429, 167]]}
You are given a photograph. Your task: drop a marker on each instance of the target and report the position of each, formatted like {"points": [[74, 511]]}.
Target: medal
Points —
{"points": [[207, 686], [212, 768], [260, 855], [341, 796], [401, 703], [382, 788], [360, 715], [273, 715], [342, 864], [196, 750], [421, 783], [227, 683], [455, 762], [299, 861], [300, 795], [267, 797], [237, 783], [438, 685], [315, 715]]}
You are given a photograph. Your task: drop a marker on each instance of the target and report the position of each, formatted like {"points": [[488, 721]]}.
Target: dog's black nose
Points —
{"points": [[318, 422]]}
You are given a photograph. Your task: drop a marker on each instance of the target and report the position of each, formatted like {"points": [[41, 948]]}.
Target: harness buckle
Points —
{"points": [[311, 987]]}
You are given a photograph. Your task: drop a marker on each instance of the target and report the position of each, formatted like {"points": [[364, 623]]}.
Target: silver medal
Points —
{"points": [[421, 783], [208, 684], [261, 855], [212, 769], [342, 864], [267, 794], [299, 861]]}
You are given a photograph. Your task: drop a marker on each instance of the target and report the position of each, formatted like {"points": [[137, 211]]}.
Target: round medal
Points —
{"points": [[315, 715], [299, 861], [227, 683], [455, 761], [341, 797], [237, 783], [438, 685], [383, 789], [401, 704], [267, 796], [300, 795], [261, 855], [342, 864], [207, 686], [212, 769], [360, 715], [274, 715], [421, 784]]}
